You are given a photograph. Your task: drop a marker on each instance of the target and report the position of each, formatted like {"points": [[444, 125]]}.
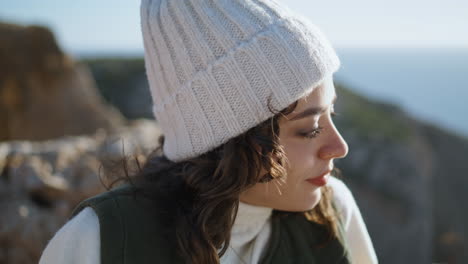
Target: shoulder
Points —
{"points": [[343, 199], [340, 190], [108, 199], [77, 240], [114, 208], [356, 235], [80, 238]]}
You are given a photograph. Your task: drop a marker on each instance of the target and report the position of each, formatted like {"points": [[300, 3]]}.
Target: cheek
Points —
{"points": [[296, 194], [301, 155]]}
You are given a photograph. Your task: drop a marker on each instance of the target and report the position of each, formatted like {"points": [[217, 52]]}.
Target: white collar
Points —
{"points": [[249, 221]]}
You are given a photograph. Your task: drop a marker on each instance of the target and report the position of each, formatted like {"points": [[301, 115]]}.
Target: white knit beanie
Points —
{"points": [[214, 66]]}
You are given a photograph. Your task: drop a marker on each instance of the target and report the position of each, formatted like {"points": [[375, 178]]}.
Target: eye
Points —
{"points": [[312, 134]]}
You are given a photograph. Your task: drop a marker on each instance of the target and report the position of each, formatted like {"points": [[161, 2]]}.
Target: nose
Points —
{"points": [[335, 147]]}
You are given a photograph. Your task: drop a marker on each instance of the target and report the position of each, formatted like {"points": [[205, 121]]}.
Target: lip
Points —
{"points": [[320, 180]]}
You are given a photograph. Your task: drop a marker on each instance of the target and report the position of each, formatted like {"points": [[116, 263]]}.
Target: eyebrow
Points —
{"points": [[312, 111]]}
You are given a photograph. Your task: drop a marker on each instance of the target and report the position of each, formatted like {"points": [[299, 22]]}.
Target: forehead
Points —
{"points": [[322, 96]]}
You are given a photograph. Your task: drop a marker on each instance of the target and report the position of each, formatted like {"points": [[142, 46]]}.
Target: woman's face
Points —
{"points": [[311, 143]]}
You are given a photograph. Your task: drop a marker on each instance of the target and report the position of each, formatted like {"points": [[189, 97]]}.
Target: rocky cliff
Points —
{"points": [[43, 92], [41, 182], [408, 178], [123, 83], [389, 168]]}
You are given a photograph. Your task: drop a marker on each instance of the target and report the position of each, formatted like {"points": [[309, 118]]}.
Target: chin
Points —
{"points": [[303, 204], [313, 200]]}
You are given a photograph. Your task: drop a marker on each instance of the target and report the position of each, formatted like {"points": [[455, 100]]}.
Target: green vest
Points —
{"points": [[133, 232]]}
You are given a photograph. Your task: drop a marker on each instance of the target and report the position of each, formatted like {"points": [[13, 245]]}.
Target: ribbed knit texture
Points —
{"points": [[217, 67]]}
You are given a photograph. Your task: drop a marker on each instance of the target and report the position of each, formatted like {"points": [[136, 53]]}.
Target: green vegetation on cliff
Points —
{"points": [[370, 117], [122, 82]]}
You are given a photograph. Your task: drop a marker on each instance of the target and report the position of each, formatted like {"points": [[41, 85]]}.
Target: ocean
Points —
{"points": [[429, 84]]}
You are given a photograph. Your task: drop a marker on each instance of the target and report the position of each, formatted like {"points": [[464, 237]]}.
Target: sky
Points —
{"points": [[112, 26]]}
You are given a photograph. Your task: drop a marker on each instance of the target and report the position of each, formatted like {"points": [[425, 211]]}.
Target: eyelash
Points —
{"points": [[316, 132], [313, 134]]}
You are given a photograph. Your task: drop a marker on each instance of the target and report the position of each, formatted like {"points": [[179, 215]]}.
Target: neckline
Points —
{"points": [[249, 221]]}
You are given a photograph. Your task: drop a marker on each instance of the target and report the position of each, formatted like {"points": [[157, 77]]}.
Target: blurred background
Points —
{"points": [[74, 95]]}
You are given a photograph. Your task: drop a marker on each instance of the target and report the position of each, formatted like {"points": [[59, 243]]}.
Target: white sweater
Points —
{"points": [[78, 240]]}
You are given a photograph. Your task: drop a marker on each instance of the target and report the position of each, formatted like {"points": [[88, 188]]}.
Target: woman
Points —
{"points": [[243, 91]]}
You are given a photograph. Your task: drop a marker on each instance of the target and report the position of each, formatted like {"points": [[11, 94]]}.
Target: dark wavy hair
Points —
{"points": [[201, 194]]}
